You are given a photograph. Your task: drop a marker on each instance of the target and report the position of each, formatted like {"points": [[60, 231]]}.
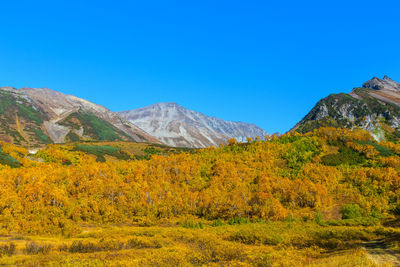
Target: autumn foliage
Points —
{"points": [[292, 176]]}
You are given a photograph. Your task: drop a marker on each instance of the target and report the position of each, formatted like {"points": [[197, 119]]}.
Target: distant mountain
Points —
{"points": [[374, 107], [31, 116], [177, 126]]}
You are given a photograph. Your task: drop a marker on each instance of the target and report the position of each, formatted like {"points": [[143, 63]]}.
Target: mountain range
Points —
{"points": [[32, 117]]}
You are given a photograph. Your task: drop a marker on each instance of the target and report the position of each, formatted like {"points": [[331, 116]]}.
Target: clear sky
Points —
{"points": [[265, 62]]}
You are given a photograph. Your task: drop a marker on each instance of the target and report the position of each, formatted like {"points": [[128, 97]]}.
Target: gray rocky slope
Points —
{"points": [[177, 126]]}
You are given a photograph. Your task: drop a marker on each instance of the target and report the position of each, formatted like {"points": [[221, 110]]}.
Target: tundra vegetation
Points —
{"points": [[300, 199]]}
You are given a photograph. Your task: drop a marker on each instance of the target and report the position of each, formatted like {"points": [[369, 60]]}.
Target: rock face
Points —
{"points": [[30, 116], [374, 107], [177, 126], [382, 84]]}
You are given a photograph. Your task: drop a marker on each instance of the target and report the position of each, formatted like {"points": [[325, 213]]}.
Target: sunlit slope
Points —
{"points": [[290, 176], [374, 107], [36, 117], [79, 152]]}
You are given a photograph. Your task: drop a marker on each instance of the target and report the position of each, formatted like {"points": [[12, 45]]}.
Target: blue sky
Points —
{"points": [[265, 62]]}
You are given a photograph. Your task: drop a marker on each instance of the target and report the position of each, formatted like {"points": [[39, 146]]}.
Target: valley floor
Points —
{"points": [[193, 243]]}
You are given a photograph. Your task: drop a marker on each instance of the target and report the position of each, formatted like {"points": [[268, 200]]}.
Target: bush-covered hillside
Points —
{"points": [[325, 181], [291, 176], [20, 122]]}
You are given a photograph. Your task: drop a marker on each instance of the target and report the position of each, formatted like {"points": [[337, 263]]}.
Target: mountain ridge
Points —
{"points": [[176, 125], [45, 116], [374, 107], [38, 116]]}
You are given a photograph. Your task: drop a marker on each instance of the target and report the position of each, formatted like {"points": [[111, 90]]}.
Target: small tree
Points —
{"points": [[232, 142]]}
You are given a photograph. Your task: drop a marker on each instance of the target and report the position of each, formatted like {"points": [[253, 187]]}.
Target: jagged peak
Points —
{"points": [[387, 78], [167, 104], [382, 84]]}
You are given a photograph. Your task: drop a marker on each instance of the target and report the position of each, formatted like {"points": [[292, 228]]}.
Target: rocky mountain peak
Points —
{"points": [[166, 105], [375, 107], [178, 126], [382, 84]]}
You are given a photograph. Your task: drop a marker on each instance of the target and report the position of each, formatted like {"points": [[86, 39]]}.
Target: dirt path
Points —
{"points": [[381, 254]]}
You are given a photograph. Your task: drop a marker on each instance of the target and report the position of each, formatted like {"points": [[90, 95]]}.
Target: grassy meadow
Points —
{"points": [[189, 242]]}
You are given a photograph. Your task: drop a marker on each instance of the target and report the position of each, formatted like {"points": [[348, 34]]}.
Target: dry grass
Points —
{"points": [[251, 244]]}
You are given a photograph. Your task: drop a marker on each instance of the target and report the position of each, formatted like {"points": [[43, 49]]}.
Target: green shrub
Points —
{"points": [[217, 223], [191, 224], [351, 211], [8, 160], [101, 151], [345, 156], [318, 218], [41, 136], [95, 127], [383, 151], [290, 218], [30, 113], [73, 137], [301, 152]]}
